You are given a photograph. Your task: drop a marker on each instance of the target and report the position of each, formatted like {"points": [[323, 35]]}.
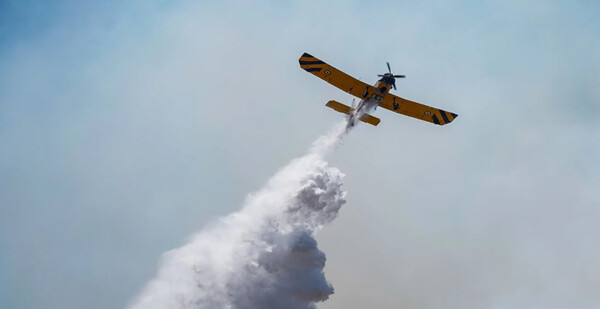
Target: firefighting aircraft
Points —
{"points": [[371, 96]]}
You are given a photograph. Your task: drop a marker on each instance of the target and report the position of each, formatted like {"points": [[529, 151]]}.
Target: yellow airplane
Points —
{"points": [[371, 96]]}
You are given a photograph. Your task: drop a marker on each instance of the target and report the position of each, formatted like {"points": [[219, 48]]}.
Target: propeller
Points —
{"points": [[392, 77]]}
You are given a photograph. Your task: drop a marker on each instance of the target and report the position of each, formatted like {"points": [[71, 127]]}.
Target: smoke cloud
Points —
{"points": [[265, 255]]}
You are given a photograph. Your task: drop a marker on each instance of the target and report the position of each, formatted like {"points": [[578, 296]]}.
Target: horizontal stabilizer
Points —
{"points": [[370, 119], [345, 109], [337, 106]]}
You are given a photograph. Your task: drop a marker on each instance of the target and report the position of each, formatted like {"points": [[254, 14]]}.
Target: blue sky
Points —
{"points": [[124, 128]]}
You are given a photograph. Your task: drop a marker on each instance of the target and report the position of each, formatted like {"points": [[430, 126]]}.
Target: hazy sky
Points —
{"points": [[124, 128]]}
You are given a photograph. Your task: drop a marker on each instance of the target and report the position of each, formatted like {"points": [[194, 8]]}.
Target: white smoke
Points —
{"points": [[265, 255]]}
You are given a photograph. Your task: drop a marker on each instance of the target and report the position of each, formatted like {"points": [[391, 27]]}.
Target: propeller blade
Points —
{"points": [[400, 76], [379, 75], [394, 85], [389, 69]]}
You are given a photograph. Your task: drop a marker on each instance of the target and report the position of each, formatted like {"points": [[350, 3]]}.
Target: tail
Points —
{"points": [[345, 109]]}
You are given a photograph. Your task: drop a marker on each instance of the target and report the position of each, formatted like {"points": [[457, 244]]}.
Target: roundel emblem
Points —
{"points": [[327, 72], [427, 113]]}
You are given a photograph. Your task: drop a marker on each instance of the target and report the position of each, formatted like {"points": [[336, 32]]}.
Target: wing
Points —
{"points": [[417, 110], [336, 77]]}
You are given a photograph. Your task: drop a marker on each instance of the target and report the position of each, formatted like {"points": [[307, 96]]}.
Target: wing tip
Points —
{"points": [[445, 119], [307, 55], [453, 117]]}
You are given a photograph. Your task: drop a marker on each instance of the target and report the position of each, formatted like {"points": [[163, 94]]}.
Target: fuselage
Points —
{"points": [[372, 100], [383, 86]]}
